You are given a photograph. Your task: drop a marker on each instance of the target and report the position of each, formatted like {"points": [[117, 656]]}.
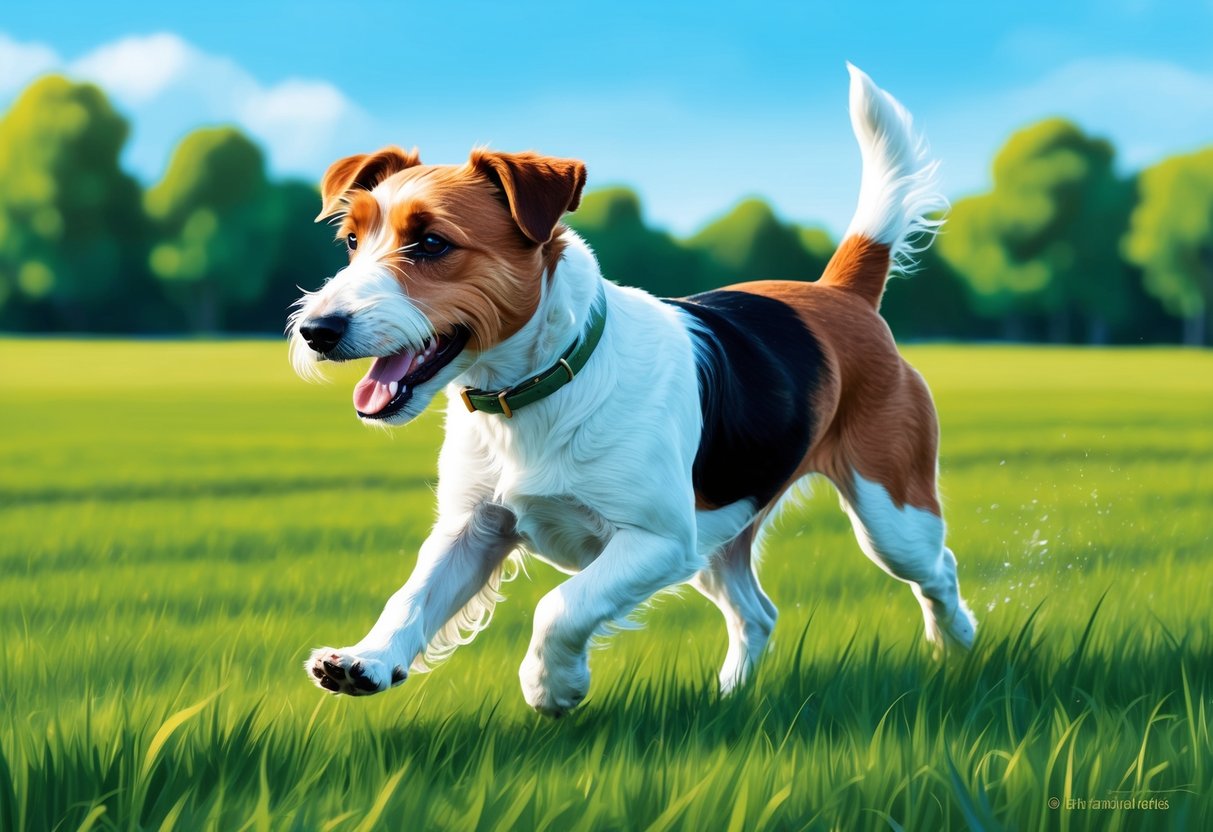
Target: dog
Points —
{"points": [[632, 442]]}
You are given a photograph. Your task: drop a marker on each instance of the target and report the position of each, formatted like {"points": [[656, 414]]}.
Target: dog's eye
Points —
{"points": [[351, 241], [431, 245]]}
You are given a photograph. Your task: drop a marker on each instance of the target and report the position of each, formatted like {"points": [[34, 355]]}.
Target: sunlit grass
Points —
{"points": [[181, 522]]}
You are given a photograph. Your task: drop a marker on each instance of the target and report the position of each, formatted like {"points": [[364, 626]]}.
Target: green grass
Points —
{"points": [[181, 522]]}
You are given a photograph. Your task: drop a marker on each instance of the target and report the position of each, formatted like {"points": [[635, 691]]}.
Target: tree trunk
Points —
{"points": [[204, 312], [1012, 327], [1097, 330], [1194, 330]]}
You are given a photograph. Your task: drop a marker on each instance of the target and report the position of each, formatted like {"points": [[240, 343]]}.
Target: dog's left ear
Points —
{"points": [[539, 189], [363, 170]]}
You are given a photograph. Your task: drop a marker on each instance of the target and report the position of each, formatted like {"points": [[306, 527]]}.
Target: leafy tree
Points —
{"points": [[1038, 243], [818, 243], [1171, 238], [71, 228], [751, 243], [932, 302], [632, 253], [216, 224], [305, 254]]}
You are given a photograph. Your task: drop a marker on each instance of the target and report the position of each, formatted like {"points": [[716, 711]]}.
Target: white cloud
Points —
{"points": [[137, 69], [167, 87], [1148, 109], [20, 63], [298, 117]]}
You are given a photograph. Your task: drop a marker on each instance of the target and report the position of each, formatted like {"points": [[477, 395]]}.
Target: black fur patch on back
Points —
{"points": [[757, 371]]}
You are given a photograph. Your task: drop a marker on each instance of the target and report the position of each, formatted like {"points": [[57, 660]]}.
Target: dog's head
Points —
{"points": [[446, 262]]}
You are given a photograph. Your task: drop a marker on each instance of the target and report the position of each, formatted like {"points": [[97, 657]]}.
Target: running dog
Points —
{"points": [[633, 442]]}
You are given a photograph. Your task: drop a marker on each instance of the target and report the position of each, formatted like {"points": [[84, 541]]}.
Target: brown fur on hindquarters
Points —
{"points": [[876, 412]]}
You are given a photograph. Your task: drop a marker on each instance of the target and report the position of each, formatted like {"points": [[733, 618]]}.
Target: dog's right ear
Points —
{"points": [[365, 170]]}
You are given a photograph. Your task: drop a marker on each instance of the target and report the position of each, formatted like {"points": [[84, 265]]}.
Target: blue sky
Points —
{"points": [[694, 104]]}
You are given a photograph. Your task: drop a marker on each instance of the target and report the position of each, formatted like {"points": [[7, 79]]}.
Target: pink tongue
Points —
{"points": [[372, 394]]}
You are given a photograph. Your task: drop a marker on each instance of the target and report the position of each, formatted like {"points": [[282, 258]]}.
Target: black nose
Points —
{"points": [[323, 334]]}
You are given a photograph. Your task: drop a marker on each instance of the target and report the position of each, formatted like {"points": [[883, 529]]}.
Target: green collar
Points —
{"points": [[550, 380]]}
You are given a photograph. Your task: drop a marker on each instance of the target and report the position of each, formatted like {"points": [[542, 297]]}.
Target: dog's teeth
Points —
{"points": [[393, 387], [420, 359]]}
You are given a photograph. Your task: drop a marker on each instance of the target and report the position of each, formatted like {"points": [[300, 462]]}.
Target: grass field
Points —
{"points": [[181, 522]]}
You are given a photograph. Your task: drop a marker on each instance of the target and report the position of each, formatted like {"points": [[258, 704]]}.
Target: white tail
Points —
{"points": [[899, 187]]}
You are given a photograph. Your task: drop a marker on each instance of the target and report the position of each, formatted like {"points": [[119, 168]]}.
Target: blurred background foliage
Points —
{"points": [[1063, 248]]}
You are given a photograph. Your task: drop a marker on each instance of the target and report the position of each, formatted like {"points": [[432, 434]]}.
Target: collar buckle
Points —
{"points": [[563, 363], [505, 406]]}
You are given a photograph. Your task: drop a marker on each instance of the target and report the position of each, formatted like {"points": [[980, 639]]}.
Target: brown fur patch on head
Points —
{"points": [[362, 171], [491, 279], [362, 214]]}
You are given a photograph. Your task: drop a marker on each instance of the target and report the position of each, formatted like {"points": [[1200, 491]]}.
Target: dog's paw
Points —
{"points": [[338, 671], [551, 689], [951, 634]]}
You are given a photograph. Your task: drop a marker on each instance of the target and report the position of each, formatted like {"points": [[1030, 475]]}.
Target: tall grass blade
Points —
{"points": [[385, 794], [166, 730]]}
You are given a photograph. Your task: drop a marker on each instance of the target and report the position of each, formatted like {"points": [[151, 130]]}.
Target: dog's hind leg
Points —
{"points": [[885, 471], [908, 543], [731, 584]]}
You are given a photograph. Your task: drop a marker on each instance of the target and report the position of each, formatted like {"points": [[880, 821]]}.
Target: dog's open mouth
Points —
{"points": [[391, 380]]}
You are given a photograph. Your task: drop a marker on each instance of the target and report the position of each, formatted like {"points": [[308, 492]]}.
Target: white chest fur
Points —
{"points": [[561, 530]]}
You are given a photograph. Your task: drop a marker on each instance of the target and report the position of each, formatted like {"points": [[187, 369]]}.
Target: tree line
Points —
{"points": [[1062, 248]]}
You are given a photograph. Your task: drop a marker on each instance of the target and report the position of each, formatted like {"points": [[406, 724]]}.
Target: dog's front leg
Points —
{"points": [[454, 564], [634, 566]]}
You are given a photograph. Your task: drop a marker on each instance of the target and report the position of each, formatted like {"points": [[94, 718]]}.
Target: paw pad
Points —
{"points": [[352, 675]]}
